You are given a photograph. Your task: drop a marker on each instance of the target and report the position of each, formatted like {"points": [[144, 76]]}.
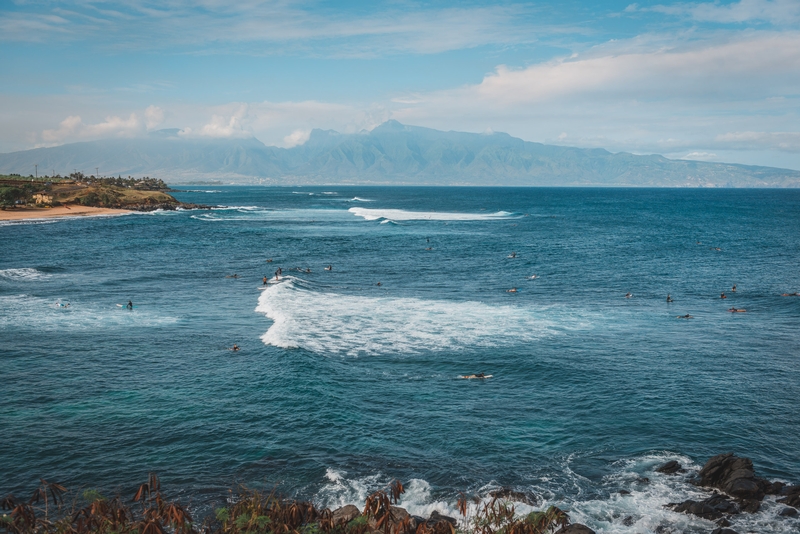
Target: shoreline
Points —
{"points": [[58, 211]]}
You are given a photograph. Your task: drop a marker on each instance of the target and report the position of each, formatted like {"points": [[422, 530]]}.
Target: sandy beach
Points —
{"points": [[60, 211]]}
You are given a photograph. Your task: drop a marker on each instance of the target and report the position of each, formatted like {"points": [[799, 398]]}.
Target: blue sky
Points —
{"points": [[716, 81]]}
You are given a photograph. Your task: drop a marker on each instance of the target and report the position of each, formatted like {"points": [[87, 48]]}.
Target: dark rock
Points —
{"points": [[723, 522], [575, 528], [788, 512], [733, 475], [437, 517], [670, 468], [792, 496], [628, 521], [511, 495], [624, 492], [345, 514], [723, 531], [661, 529], [400, 514], [416, 521], [749, 505], [712, 508], [643, 480]]}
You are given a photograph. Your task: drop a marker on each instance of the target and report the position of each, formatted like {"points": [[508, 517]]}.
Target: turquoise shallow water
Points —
{"points": [[342, 384]]}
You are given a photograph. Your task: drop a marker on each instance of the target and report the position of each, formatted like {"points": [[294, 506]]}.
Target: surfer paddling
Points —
{"points": [[479, 376], [329, 268], [512, 290], [737, 310], [235, 347], [628, 295], [669, 298], [687, 316]]}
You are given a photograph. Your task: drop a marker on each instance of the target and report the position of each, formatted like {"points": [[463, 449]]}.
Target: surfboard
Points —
{"points": [[475, 377], [124, 306]]}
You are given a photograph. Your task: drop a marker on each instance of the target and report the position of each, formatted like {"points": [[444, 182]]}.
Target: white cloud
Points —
{"points": [[153, 116], [782, 141], [778, 12], [73, 128], [296, 138], [230, 126]]}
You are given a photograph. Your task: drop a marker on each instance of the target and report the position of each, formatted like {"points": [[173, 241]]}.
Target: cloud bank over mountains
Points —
{"points": [[717, 79], [392, 153]]}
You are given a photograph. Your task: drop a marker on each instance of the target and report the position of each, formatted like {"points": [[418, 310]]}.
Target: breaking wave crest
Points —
{"points": [[354, 325], [404, 215]]}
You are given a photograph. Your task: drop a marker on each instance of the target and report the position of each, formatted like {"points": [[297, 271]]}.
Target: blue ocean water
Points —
{"points": [[342, 385]]}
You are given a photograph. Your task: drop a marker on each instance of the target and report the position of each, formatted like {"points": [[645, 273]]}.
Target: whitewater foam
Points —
{"points": [[597, 504], [370, 214], [354, 325], [25, 274], [37, 313]]}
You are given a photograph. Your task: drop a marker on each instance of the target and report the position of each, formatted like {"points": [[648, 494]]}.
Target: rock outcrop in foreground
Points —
{"points": [[736, 488]]}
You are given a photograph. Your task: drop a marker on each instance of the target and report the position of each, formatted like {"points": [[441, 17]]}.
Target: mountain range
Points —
{"points": [[392, 153]]}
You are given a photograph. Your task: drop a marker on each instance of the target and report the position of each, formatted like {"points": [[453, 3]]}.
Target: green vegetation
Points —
{"points": [[253, 512]]}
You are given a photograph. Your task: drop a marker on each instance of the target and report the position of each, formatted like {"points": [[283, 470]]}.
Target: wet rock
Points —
{"points": [[345, 514], [792, 496], [788, 512], [436, 517], [733, 475], [723, 522], [670, 468], [712, 508], [750, 506], [624, 492], [512, 495], [416, 521], [723, 531], [575, 528], [628, 521]]}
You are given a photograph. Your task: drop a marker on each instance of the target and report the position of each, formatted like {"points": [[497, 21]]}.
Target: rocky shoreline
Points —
{"points": [[732, 485]]}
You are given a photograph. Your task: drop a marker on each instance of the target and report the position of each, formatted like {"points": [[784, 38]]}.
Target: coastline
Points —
{"points": [[58, 211]]}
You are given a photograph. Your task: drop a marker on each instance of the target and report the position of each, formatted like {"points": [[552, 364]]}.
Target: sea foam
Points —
{"points": [[354, 325], [596, 503], [25, 274], [370, 214]]}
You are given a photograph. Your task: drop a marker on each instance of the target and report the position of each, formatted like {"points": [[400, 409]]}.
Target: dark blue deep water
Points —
{"points": [[342, 385]]}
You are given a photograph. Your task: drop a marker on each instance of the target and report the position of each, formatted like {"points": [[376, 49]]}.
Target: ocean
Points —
{"points": [[348, 378]]}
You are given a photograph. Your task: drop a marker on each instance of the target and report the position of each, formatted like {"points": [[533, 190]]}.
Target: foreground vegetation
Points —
{"points": [[252, 512]]}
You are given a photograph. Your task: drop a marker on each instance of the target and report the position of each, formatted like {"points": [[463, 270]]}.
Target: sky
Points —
{"points": [[711, 81]]}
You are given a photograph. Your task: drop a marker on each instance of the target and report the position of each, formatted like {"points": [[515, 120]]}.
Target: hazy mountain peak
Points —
{"points": [[392, 153]]}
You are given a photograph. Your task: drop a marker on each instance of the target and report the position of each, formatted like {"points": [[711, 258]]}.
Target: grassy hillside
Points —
{"points": [[17, 190]]}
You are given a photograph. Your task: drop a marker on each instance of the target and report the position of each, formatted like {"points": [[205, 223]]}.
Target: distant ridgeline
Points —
{"points": [[391, 154], [131, 193]]}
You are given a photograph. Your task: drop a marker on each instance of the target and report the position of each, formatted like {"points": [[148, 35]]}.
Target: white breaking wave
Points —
{"points": [[353, 325], [26, 274], [404, 215], [37, 313], [359, 199], [640, 511]]}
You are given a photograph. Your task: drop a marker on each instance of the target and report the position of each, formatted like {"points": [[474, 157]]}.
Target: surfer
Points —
{"points": [[265, 280], [479, 375], [378, 284], [628, 295], [723, 296], [790, 294], [269, 260], [130, 305], [512, 255], [687, 316], [235, 347], [669, 298], [533, 277], [512, 290], [308, 270], [733, 289], [329, 268], [737, 310]]}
